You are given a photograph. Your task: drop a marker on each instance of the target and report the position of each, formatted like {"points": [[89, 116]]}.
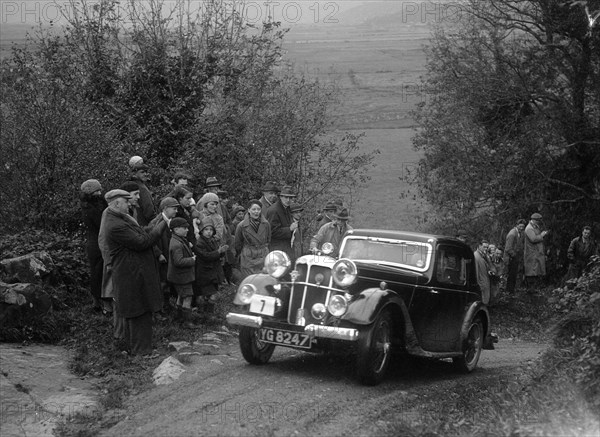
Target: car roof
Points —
{"points": [[406, 235]]}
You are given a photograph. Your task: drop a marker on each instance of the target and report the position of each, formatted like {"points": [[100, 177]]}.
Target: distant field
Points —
{"points": [[377, 72]]}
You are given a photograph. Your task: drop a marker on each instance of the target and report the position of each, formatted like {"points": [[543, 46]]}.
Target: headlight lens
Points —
{"points": [[277, 263], [245, 293], [344, 272], [327, 248], [318, 311], [337, 305]]}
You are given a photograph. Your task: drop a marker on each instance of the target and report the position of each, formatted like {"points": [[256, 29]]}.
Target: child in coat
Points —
{"points": [[181, 267], [209, 267]]}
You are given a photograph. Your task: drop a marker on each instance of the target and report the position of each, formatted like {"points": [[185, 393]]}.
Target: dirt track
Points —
{"points": [[299, 393]]}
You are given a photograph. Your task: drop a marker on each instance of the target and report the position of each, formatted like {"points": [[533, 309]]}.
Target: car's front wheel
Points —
{"points": [[374, 350], [471, 349], [253, 349]]}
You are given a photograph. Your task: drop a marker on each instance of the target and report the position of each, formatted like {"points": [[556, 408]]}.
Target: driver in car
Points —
{"points": [[332, 232]]}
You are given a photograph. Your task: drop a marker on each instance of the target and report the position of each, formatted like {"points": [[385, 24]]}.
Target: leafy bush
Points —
{"points": [[577, 332]]}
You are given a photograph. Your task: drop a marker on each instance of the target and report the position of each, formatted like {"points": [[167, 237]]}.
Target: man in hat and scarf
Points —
{"points": [[332, 232], [282, 222]]}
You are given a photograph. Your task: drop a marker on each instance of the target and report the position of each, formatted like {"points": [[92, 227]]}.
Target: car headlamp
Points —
{"points": [[327, 248], [277, 263], [344, 272], [318, 311], [245, 293], [337, 305]]}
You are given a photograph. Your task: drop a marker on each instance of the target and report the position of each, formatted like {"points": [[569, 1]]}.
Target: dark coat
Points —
{"points": [[252, 246], [133, 264], [181, 264], [91, 209], [208, 263], [146, 209], [280, 219], [515, 244]]}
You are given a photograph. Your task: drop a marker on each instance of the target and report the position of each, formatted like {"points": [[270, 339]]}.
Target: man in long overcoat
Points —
{"points": [[282, 223], [535, 257], [134, 270], [513, 253], [482, 269]]}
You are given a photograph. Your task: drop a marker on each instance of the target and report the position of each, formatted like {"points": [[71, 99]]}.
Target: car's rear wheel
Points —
{"points": [[471, 349], [254, 350], [374, 350]]}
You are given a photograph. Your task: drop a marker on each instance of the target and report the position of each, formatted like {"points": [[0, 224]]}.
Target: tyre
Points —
{"points": [[374, 350], [254, 350], [471, 349]]}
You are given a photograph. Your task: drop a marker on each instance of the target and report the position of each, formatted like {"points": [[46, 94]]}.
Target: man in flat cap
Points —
{"points": [[535, 256], [146, 209], [134, 271], [332, 232]]}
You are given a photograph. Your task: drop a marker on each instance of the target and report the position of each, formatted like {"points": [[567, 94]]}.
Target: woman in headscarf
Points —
{"points": [[92, 206], [252, 238], [207, 207]]}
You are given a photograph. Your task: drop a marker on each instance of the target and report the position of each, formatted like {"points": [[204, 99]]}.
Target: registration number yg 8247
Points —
{"points": [[286, 338]]}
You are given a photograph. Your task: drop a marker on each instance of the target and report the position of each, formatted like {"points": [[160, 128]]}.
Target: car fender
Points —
{"points": [[365, 307], [261, 281], [474, 309]]}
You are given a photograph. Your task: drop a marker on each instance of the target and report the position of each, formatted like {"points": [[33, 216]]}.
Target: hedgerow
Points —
{"points": [[577, 332]]}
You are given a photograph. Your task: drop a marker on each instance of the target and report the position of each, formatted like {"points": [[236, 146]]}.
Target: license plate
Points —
{"points": [[286, 338], [263, 305]]}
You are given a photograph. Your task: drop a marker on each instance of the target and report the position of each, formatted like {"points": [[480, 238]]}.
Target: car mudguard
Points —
{"points": [[261, 281], [366, 306], [474, 309]]}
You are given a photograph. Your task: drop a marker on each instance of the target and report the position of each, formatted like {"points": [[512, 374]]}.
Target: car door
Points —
{"points": [[437, 308]]}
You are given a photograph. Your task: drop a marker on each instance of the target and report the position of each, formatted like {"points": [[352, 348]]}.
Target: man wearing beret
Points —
{"points": [[535, 256], [145, 204], [134, 271]]}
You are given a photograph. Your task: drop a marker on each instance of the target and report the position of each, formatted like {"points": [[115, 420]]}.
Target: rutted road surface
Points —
{"points": [[299, 393]]}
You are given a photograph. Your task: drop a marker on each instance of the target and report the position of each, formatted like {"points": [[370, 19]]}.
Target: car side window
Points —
{"points": [[451, 266]]}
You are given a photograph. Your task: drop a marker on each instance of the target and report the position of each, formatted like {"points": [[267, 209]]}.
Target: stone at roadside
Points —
{"points": [[20, 303], [33, 267], [211, 337], [168, 371], [179, 346]]}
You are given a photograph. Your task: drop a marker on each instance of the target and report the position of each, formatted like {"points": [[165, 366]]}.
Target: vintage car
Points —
{"points": [[389, 290]]}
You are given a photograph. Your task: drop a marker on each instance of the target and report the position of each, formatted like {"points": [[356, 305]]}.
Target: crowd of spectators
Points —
{"points": [[183, 249]]}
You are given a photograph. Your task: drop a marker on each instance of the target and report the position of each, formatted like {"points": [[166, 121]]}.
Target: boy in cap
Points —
{"points": [[181, 268], [209, 269]]}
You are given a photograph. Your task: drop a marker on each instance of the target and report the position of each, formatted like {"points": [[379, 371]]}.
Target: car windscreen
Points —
{"points": [[395, 253]]}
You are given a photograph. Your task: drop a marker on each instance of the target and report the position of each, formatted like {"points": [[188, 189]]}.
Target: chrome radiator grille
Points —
{"points": [[305, 293]]}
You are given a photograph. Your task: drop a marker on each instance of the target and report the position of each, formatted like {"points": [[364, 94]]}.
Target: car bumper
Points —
{"points": [[317, 331]]}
